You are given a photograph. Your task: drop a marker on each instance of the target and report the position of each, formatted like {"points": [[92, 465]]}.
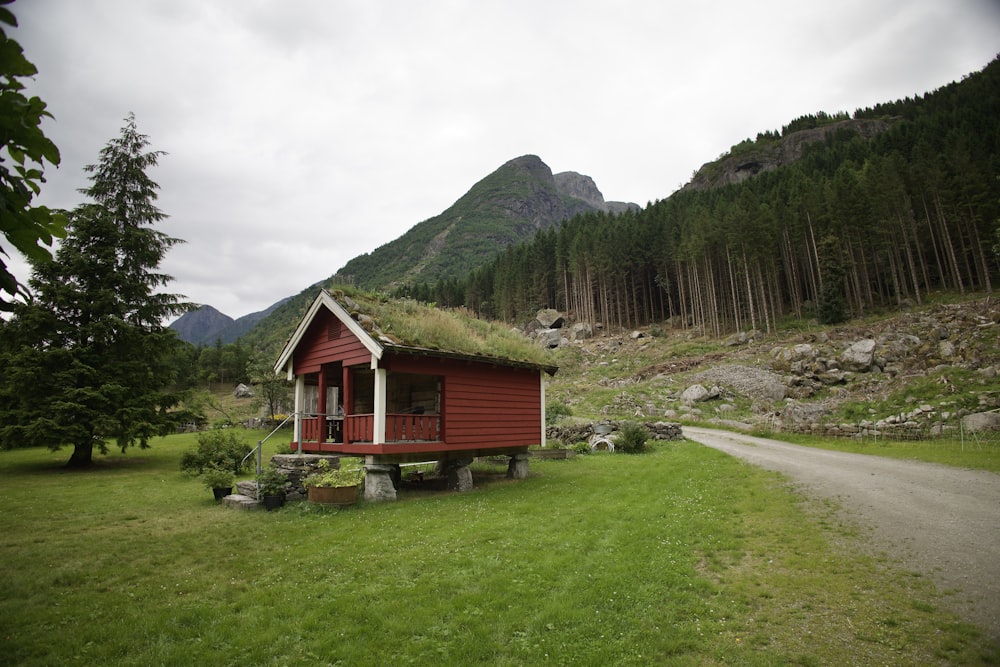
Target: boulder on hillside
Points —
{"points": [[581, 331], [697, 393], [242, 391], [803, 413], [859, 356], [981, 421], [549, 338], [550, 318]]}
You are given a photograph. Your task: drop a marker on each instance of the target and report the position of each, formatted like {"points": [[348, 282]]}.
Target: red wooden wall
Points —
{"points": [[483, 405], [328, 340]]}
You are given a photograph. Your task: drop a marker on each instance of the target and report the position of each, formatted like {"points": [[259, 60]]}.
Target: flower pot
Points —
{"points": [[333, 495], [273, 502], [221, 492]]}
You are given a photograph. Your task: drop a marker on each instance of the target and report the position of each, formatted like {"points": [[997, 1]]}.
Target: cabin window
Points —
{"points": [[364, 391], [310, 395], [409, 393]]}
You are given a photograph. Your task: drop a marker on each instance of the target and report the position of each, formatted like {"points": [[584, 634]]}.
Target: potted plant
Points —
{"points": [[219, 480], [271, 488], [334, 486]]}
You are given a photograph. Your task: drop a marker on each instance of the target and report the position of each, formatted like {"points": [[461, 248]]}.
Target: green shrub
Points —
{"points": [[325, 476], [556, 411], [631, 438], [217, 478], [272, 482], [581, 447], [216, 449]]}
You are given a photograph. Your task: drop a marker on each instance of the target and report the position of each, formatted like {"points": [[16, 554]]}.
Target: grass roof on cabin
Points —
{"points": [[411, 324]]}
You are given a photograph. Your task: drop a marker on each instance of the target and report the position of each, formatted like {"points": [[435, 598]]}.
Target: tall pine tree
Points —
{"points": [[88, 357]]}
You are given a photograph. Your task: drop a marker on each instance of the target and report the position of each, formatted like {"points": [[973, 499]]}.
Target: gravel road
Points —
{"points": [[941, 521]]}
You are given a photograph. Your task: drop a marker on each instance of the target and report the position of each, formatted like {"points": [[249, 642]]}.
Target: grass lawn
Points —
{"points": [[981, 454], [681, 556]]}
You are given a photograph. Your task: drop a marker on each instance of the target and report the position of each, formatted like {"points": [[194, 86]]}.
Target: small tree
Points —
{"points": [[88, 358], [27, 228], [274, 389], [631, 438], [219, 449], [832, 309]]}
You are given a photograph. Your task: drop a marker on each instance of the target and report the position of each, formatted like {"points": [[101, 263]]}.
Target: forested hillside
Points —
{"points": [[858, 220]]}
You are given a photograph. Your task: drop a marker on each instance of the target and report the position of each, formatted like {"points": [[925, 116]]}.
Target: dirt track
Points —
{"points": [[941, 521]]}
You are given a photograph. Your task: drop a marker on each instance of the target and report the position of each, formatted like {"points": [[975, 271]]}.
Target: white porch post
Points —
{"points": [[380, 397], [300, 390]]}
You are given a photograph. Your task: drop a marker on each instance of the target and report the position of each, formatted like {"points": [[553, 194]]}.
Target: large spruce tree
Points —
{"points": [[88, 357]]}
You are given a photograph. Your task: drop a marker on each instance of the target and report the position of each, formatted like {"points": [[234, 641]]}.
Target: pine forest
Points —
{"points": [[862, 218]]}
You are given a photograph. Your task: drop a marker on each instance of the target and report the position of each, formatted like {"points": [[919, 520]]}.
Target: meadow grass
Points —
{"points": [[972, 453], [680, 556]]}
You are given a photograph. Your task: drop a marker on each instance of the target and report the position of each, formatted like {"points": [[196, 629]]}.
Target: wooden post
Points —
{"points": [[378, 428], [348, 401], [300, 390], [321, 407]]}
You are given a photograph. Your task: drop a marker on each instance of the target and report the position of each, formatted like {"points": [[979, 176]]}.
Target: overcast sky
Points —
{"points": [[301, 133]]}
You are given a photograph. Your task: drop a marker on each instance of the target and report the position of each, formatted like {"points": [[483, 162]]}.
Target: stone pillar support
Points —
{"points": [[518, 467], [458, 473], [378, 482]]}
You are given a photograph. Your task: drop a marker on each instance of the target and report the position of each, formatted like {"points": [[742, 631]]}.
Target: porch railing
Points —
{"points": [[361, 428]]}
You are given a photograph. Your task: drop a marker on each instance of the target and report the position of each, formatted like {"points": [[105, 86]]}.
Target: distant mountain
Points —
{"points": [[206, 325], [510, 205], [202, 326]]}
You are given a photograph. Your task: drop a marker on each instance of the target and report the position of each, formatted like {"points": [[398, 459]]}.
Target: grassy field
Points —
{"points": [[682, 556], [981, 454]]}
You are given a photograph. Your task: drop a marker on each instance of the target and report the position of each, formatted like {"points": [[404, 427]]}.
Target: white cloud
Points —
{"points": [[301, 134]]}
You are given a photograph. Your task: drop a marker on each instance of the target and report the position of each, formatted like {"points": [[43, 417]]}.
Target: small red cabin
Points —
{"points": [[363, 390]]}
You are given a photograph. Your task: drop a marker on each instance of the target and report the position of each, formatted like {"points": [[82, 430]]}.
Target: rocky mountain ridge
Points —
{"points": [[740, 165], [509, 205]]}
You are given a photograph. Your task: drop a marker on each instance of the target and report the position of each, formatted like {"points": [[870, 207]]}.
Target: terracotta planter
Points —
{"points": [[332, 495]]}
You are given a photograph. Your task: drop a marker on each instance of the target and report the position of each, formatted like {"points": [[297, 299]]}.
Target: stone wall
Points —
{"points": [[296, 467], [572, 432]]}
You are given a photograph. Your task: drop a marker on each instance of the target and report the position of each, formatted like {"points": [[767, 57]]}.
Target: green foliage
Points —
{"points": [[327, 476], [217, 478], [273, 391], [27, 228], [456, 330], [88, 358], [831, 306], [556, 411], [631, 438], [272, 482], [581, 447], [216, 449]]}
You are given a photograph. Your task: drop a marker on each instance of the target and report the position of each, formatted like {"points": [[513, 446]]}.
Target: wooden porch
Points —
{"points": [[321, 433]]}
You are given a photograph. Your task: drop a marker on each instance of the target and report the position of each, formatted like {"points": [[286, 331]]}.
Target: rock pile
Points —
{"points": [[549, 329], [572, 432]]}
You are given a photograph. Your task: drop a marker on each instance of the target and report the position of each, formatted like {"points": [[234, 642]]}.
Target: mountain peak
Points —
{"points": [[511, 204]]}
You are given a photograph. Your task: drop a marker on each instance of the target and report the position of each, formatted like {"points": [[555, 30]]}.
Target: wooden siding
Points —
{"points": [[483, 405], [319, 347]]}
